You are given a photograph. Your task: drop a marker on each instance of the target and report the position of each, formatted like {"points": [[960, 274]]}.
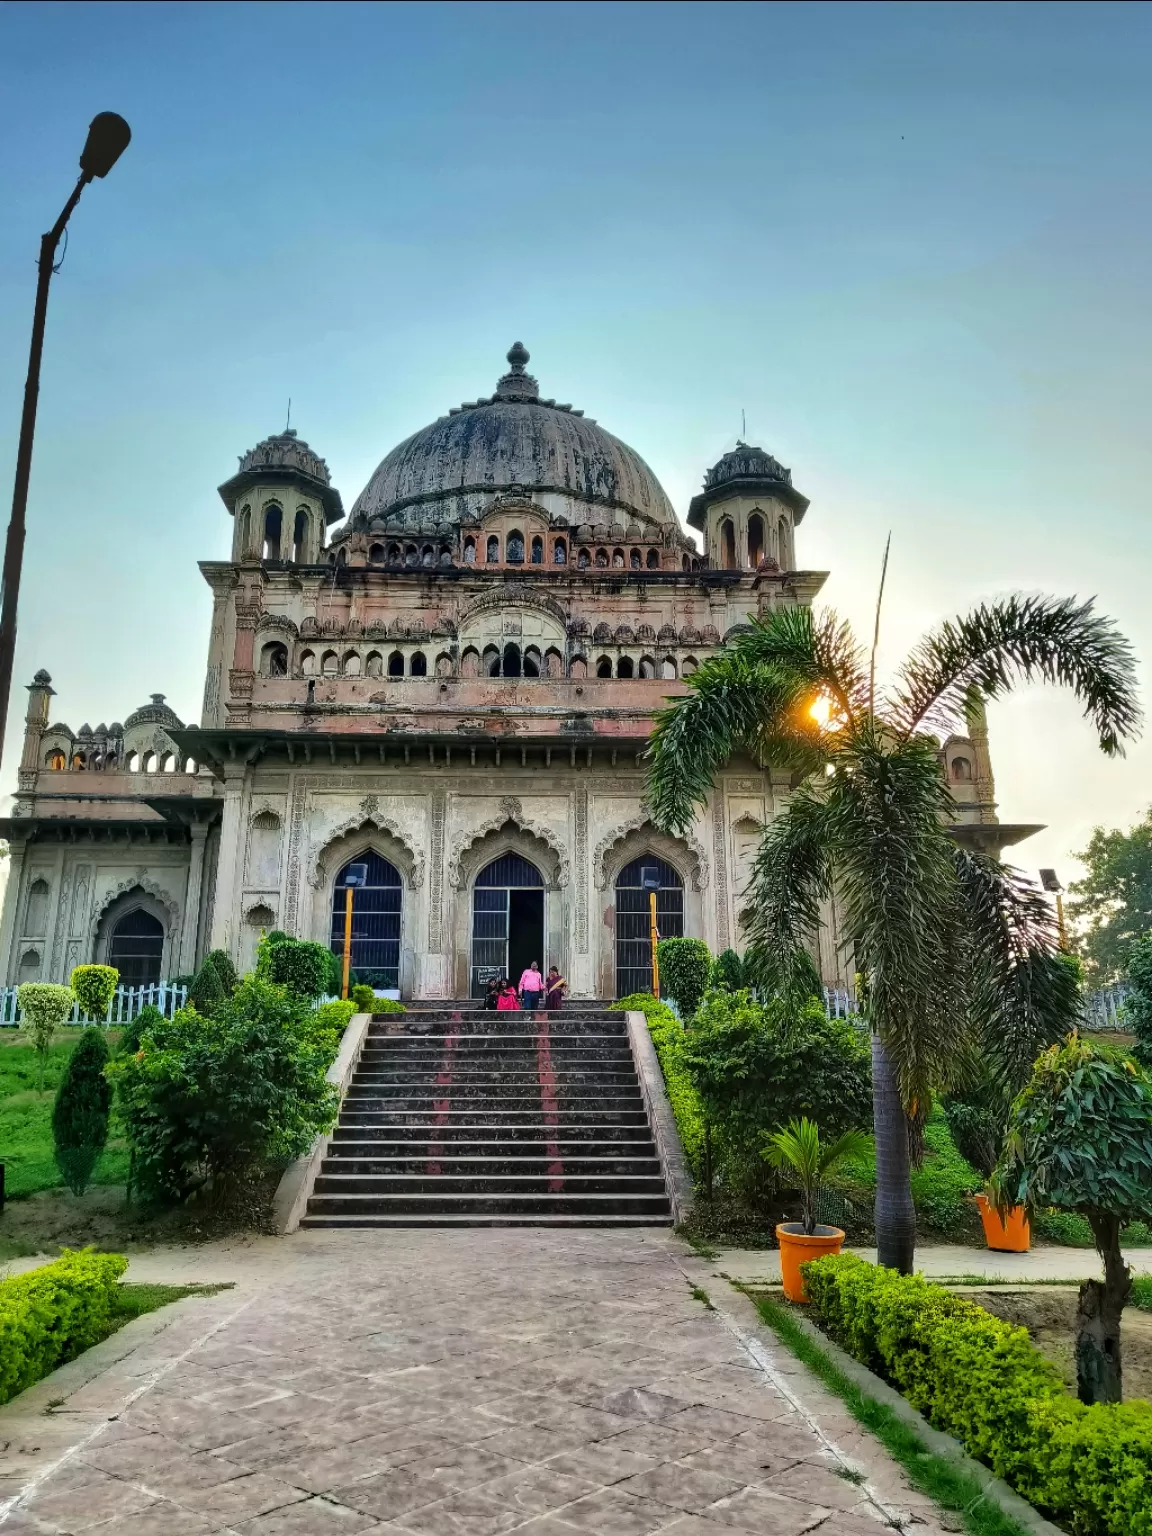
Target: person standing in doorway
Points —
{"points": [[531, 986]]}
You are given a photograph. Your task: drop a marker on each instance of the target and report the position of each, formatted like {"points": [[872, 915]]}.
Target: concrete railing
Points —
{"points": [[665, 1133]]}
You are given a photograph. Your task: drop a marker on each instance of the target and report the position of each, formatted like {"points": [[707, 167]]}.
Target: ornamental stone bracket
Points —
{"points": [[510, 810], [642, 828]]}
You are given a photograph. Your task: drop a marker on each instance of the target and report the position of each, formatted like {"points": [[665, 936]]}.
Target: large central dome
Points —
{"points": [[449, 471]]}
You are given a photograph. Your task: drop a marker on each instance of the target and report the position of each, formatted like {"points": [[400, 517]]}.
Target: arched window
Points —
{"points": [[428, 556], [469, 551], [351, 666], [559, 553], [653, 560], [376, 553], [783, 553], [470, 663], [684, 566], [136, 948], [531, 662], [602, 559], [688, 666], [274, 659], [515, 547], [635, 559], [727, 544], [244, 532], [537, 550], [396, 664], [300, 536], [755, 540], [578, 667], [962, 770], [308, 663], [582, 560], [190, 766], [374, 664], [171, 763], [29, 966], [624, 667], [133, 763], [56, 760], [493, 549], [151, 762], [375, 921], [668, 668], [394, 554], [273, 526], [411, 556], [329, 665], [511, 666], [647, 667], [604, 667], [264, 850], [342, 555], [491, 661], [443, 665], [36, 913], [445, 554], [617, 559], [633, 920], [553, 663], [507, 920], [418, 666]]}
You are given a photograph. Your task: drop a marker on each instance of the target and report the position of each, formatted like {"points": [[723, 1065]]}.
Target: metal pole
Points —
{"points": [[14, 547], [655, 938], [347, 938], [1060, 921]]}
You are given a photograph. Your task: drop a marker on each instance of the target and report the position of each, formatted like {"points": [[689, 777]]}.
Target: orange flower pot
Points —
{"points": [[797, 1247], [1009, 1233]]}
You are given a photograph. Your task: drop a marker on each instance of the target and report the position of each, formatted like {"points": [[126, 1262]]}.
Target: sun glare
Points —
{"points": [[821, 709]]}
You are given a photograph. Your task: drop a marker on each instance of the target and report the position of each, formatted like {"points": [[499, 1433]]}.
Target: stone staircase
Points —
{"points": [[457, 1117]]}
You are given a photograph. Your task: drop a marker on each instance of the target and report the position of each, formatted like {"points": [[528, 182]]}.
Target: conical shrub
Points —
{"points": [[80, 1114], [221, 963], [207, 991]]}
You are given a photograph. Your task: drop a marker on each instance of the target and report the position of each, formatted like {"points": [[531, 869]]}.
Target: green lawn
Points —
{"points": [[26, 1118]]}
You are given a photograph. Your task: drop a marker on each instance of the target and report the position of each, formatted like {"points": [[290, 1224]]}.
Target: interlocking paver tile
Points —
{"points": [[162, 1519], [683, 1487], [612, 1513], [77, 1508], [766, 1513], [603, 1462], [469, 1513], [242, 1497], [818, 1484], [537, 1490], [315, 1517], [390, 1495]]}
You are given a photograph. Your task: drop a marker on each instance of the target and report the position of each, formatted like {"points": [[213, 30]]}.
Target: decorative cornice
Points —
{"points": [[657, 840]]}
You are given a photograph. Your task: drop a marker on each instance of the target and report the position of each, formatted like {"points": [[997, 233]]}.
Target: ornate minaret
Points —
{"points": [[748, 511]]}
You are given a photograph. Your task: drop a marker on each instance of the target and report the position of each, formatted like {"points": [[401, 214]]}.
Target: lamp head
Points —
{"points": [[1049, 880], [108, 138], [356, 874]]}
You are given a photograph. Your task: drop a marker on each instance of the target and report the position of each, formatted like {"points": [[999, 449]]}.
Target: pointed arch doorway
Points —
{"points": [[633, 921], [507, 920]]}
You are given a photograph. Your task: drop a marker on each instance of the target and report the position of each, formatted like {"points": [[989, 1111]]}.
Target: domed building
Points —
{"points": [[449, 692]]}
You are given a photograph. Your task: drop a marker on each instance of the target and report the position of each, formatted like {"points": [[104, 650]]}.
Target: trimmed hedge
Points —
{"points": [[981, 1380], [95, 987], [301, 965], [49, 1315], [668, 1037], [685, 965]]}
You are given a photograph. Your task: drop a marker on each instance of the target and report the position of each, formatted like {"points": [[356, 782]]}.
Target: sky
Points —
{"points": [[910, 243]]}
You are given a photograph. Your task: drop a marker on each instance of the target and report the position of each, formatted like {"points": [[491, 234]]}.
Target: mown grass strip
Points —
{"points": [[949, 1485]]}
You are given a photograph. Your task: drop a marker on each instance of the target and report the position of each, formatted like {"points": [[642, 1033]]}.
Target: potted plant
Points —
{"points": [[1006, 1231], [799, 1151]]}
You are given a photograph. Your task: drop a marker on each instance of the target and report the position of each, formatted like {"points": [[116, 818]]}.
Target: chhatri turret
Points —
{"points": [[282, 499]]}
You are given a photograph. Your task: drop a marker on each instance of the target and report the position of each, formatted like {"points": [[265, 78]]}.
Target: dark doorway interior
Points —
{"points": [[136, 949], [525, 931]]}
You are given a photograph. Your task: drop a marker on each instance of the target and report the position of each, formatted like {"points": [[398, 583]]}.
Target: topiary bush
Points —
{"points": [[49, 1315], [728, 972], [302, 966], [207, 990], [95, 987], [80, 1113], [133, 1031], [205, 1101], [668, 1038], [388, 1005], [981, 1380], [684, 968], [364, 999], [221, 962], [333, 1017], [43, 1008]]}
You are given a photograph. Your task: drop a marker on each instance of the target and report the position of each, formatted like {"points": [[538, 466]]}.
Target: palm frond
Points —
{"points": [[791, 875], [820, 649], [1023, 997], [1021, 639], [852, 1143]]}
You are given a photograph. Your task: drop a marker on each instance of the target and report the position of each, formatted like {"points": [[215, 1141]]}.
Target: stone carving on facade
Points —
{"points": [[510, 810], [581, 869], [372, 822], [138, 880], [604, 857], [720, 848], [276, 621], [512, 592], [436, 883]]}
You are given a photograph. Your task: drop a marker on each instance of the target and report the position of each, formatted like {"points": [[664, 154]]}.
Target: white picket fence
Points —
{"points": [[126, 1004], [840, 1004], [1104, 1008]]}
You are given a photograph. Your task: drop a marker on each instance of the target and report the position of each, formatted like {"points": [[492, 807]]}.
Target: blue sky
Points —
{"points": [[910, 242]]}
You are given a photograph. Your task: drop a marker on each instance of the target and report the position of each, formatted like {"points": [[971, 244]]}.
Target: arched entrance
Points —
{"points": [[136, 948], [507, 920], [375, 921], [633, 921]]}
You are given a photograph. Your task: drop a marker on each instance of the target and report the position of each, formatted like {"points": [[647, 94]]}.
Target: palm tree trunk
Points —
{"points": [[1099, 1377], [895, 1213]]}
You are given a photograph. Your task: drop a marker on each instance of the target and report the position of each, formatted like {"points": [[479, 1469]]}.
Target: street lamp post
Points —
{"points": [[107, 140]]}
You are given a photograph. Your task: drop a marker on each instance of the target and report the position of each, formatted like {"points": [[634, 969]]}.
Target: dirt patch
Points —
{"points": [[1049, 1314]]}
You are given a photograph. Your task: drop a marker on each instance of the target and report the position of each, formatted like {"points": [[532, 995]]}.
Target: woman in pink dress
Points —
{"points": [[506, 1001]]}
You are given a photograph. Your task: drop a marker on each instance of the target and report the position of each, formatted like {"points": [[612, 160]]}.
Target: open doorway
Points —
{"points": [[507, 920]]}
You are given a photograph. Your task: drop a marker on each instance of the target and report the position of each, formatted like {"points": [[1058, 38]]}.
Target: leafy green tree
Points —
{"points": [[80, 1113], [43, 1008], [728, 972], [1138, 1003], [684, 968], [205, 1100], [207, 990], [798, 1150], [949, 943], [1112, 904], [303, 967], [95, 987], [1080, 1138], [221, 963]]}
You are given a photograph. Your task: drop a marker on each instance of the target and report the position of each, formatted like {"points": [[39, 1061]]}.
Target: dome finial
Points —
{"points": [[517, 383], [518, 356]]}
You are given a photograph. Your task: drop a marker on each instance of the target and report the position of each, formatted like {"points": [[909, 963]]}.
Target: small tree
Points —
{"points": [[798, 1150], [302, 966], [207, 990], [44, 1007], [1080, 1138], [95, 987], [728, 972], [685, 965], [80, 1114], [134, 1030], [1138, 1003], [221, 963]]}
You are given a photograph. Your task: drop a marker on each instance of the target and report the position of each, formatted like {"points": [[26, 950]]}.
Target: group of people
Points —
{"points": [[502, 996]]}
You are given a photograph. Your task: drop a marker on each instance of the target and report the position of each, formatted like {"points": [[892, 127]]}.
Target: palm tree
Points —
{"points": [[797, 1149], [953, 947]]}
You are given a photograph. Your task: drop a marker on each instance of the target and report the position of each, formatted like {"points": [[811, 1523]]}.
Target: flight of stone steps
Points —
{"points": [[458, 1117]]}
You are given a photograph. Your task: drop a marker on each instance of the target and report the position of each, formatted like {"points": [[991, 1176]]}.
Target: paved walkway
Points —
{"points": [[444, 1384], [950, 1262]]}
